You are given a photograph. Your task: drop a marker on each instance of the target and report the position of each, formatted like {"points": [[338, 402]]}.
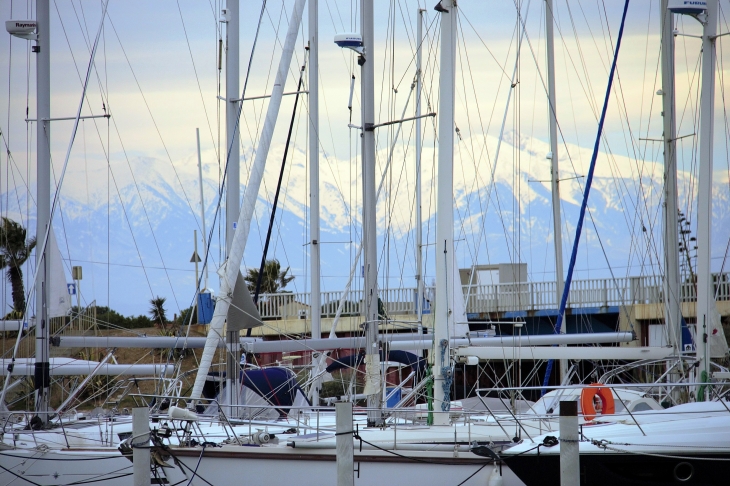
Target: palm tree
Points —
{"points": [[14, 252], [157, 312], [273, 280]]}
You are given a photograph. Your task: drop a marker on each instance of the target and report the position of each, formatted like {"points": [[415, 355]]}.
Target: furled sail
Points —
{"points": [[59, 299], [460, 327]]}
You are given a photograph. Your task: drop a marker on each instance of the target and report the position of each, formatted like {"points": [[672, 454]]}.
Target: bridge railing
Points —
{"points": [[495, 298]]}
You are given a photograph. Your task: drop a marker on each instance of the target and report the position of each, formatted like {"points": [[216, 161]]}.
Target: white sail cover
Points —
{"points": [[373, 382], [230, 269], [460, 326], [59, 300], [718, 343]]}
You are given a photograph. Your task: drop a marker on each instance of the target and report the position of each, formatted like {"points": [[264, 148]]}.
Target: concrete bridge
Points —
{"points": [[625, 303]]}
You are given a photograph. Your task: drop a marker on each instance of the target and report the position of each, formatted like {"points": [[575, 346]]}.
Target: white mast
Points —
{"points": [[233, 182], [672, 309], [231, 269], [233, 174], [705, 295], [43, 154], [554, 168], [202, 212], [314, 253], [443, 374], [370, 286], [419, 215]]}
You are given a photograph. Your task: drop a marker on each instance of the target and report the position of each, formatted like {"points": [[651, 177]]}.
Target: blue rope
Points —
{"points": [[584, 204]]}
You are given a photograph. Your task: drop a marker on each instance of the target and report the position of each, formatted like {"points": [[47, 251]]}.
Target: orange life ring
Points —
{"points": [[588, 394]]}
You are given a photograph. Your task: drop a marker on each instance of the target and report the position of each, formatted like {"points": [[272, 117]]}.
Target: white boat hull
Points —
{"points": [[25, 467], [286, 466]]}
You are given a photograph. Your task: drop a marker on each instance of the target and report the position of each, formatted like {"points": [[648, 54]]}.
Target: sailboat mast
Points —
{"points": [[43, 154], [370, 267], [443, 374], [672, 309], [705, 294], [202, 211], [235, 257], [233, 174], [554, 166], [419, 215], [233, 178], [314, 253]]}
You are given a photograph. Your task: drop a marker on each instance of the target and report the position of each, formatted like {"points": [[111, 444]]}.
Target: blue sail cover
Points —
{"points": [[417, 364], [278, 386]]}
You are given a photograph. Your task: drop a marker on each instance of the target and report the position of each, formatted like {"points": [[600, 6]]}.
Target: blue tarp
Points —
{"points": [[205, 308], [688, 344]]}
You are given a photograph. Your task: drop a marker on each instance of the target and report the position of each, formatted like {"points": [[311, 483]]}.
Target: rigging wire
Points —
{"points": [[119, 193], [589, 179], [560, 131], [276, 196], [54, 202], [197, 79], [154, 121]]}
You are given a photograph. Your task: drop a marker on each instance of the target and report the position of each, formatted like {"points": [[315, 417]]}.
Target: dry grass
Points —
{"points": [[96, 393]]}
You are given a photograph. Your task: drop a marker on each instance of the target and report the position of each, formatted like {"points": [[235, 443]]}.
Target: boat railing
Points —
{"points": [[27, 417], [664, 386], [718, 393], [310, 423], [20, 417], [19, 425], [316, 423]]}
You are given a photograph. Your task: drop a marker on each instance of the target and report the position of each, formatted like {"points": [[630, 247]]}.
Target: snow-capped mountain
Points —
{"points": [[133, 231]]}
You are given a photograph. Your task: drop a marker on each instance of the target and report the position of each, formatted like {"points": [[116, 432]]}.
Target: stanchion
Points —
{"points": [[141, 445], [345, 449], [569, 450]]}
